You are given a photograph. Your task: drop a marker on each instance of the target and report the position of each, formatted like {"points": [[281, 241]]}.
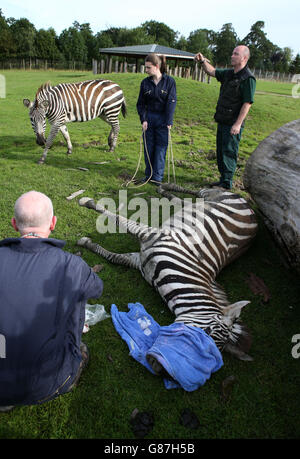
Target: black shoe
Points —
{"points": [[222, 187], [216, 183], [140, 181]]}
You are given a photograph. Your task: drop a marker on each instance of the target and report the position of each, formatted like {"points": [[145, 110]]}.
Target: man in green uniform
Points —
{"points": [[236, 97]]}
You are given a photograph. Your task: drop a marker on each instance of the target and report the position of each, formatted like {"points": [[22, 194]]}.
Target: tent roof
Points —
{"points": [[144, 50]]}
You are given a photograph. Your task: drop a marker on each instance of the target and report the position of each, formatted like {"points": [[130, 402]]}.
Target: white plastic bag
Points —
{"points": [[94, 313]]}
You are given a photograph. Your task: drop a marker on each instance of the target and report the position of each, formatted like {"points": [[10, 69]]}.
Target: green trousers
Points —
{"points": [[227, 153]]}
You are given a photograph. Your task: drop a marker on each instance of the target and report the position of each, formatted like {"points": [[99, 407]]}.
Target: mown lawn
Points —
{"points": [[264, 401]]}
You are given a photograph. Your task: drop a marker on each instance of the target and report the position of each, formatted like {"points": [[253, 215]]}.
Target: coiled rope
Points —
{"points": [[170, 160]]}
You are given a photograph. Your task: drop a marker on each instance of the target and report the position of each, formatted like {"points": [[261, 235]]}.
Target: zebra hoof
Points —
{"points": [[41, 161], [83, 241], [84, 201]]}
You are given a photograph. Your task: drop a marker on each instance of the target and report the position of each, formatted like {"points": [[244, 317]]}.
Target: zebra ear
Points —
{"points": [[233, 311], [27, 103]]}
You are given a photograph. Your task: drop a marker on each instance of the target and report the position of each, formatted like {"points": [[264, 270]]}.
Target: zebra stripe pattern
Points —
{"points": [[182, 262], [71, 102]]}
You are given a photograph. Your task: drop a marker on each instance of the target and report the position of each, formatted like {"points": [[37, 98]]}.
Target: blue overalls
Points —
{"points": [[156, 105]]}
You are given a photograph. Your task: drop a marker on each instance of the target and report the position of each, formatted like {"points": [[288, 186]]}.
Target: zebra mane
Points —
{"points": [[43, 87]]}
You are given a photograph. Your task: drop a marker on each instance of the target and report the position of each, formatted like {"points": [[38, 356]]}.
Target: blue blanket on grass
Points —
{"points": [[187, 353]]}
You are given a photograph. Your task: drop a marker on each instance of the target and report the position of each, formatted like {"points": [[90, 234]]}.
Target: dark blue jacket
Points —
{"points": [[157, 98], [43, 292]]}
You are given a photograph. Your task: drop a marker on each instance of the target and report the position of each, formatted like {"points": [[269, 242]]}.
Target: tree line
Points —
{"points": [[19, 39]]}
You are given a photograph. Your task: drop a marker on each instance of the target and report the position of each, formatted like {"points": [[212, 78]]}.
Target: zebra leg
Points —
{"points": [[113, 136], [132, 259], [138, 230], [66, 135], [53, 132], [165, 187]]}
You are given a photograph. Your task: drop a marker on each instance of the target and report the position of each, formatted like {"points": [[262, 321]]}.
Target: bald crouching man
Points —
{"points": [[43, 292], [236, 97]]}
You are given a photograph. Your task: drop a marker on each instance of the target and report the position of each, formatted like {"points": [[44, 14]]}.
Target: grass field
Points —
{"points": [[264, 401]]}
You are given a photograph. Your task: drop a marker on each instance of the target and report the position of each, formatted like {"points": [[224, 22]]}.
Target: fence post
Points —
{"points": [[94, 65], [102, 66], [109, 65]]}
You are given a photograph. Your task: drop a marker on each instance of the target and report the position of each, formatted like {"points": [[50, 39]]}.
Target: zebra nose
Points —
{"points": [[40, 140]]}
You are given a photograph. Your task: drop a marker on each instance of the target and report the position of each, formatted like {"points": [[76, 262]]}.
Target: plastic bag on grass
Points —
{"points": [[94, 313]]}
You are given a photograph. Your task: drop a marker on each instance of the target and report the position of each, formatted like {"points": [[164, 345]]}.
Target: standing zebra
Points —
{"points": [[182, 264], [69, 102]]}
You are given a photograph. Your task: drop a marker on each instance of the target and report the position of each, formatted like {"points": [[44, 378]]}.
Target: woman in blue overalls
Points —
{"points": [[156, 105]]}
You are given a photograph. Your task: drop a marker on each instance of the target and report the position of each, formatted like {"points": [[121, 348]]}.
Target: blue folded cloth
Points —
{"points": [[187, 353]]}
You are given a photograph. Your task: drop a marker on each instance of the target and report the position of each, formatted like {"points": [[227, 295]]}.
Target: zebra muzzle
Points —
{"points": [[40, 140]]}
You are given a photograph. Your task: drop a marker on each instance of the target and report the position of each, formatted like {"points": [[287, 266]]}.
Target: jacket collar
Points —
{"points": [[32, 244], [163, 77]]}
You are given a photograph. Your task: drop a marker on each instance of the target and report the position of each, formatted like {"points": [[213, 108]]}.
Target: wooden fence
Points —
{"points": [[108, 66], [188, 70]]}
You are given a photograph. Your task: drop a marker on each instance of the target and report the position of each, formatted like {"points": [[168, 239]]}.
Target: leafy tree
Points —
{"points": [[226, 40], [161, 33], [89, 39], [295, 65], [23, 32], [261, 49], [182, 43], [7, 44], [281, 59], [136, 36], [72, 45], [104, 40], [201, 40], [45, 45]]}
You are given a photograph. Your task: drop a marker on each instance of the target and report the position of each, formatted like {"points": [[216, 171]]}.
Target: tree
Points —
{"points": [[72, 45], [181, 43], [7, 44], [23, 32], [89, 39], [45, 45], [295, 65], [226, 40], [103, 40], [281, 59], [201, 40], [261, 49], [161, 33]]}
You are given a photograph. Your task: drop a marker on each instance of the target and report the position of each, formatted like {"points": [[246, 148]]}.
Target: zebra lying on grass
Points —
{"points": [[69, 102], [182, 264]]}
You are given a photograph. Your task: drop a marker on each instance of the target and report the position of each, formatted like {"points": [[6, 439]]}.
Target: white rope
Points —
{"points": [[169, 150], [139, 162]]}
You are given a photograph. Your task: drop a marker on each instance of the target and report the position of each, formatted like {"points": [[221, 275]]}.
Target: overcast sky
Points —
{"points": [[282, 18]]}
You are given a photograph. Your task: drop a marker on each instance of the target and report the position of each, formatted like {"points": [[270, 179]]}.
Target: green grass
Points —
{"points": [[265, 400]]}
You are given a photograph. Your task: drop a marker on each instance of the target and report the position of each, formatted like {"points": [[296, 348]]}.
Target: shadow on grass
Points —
{"points": [[84, 155]]}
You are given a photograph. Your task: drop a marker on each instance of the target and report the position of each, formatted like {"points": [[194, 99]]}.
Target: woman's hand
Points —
{"points": [[145, 125]]}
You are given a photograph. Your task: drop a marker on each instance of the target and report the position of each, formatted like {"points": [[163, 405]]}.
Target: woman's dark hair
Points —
{"points": [[156, 59]]}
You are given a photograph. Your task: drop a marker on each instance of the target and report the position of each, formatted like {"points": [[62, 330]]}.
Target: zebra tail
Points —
{"points": [[124, 109]]}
